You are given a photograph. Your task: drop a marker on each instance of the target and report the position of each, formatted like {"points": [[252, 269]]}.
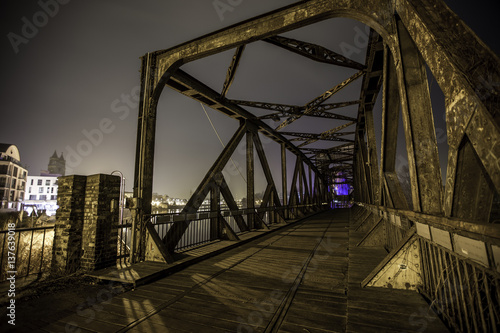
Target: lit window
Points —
{"points": [[32, 181], [52, 190], [40, 190], [48, 189], [29, 190], [42, 197], [32, 197], [47, 182], [39, 182]]}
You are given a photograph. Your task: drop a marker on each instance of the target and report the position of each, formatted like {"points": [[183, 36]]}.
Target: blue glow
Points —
{"points": [[341, 189]]}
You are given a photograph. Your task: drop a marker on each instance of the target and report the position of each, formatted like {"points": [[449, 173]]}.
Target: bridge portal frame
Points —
{"points": [[414, 34]]}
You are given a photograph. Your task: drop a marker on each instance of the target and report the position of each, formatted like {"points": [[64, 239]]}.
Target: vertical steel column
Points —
{"points": [[144, 158], [421, 144], [145, 147], [284, 184], [250, 178], [301, 185], [372, 156], [215, 231], [390, 122], [310, 186]]}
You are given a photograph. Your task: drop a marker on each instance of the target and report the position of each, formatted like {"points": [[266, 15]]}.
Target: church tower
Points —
{"points": [[57, 165]]}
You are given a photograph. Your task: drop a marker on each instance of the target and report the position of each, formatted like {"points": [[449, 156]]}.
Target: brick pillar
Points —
{"points": [[66, 250], [100, 235]]}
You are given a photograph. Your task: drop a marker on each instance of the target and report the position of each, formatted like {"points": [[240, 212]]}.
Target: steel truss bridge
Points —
{"points": [[450, 230]]}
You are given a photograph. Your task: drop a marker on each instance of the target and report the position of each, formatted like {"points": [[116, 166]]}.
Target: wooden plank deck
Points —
{"points": [[303, 278], [145, 272]]}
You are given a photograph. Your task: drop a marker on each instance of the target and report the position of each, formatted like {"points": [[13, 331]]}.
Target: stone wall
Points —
{"points": [[85, 236], [100, 237], [66, 250]]}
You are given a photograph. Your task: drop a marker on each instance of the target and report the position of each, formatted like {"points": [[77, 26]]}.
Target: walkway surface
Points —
{"points": [[302, 278]]}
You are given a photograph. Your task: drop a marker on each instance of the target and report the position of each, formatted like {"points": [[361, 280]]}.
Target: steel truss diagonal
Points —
{"points": [[313, 51], [313, 106]]}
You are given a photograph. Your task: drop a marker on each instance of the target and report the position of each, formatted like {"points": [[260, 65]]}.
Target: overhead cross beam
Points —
{"points": [[327, 134], [313, 51], [313, 106], [286, 110], [346, 147], [336, 159], [319, 114], [326, 107], [282, 108], [306, 136]]}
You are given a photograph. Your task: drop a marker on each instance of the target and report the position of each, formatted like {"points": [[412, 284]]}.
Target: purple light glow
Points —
{"points": [[341, 189]]}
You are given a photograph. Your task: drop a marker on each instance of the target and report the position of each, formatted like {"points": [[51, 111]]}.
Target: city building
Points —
{"points": [[41, 194], [12, 178], [57, 165], [41, 191]]}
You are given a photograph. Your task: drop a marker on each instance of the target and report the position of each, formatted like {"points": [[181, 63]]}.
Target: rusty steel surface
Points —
{"points": [[406, 38]]}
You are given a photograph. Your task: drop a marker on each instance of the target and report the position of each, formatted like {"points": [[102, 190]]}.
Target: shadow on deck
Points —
{"points": [[146, 272]]}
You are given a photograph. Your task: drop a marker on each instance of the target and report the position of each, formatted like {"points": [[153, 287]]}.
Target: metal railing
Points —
{"points": [[124, 239], [32, 251], [465, 293], [199, 230]]}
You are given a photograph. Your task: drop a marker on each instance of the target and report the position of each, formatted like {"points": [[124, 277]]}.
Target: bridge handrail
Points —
{"points": [[28, 229], [164, 218], [475, 230], [30, 251]]}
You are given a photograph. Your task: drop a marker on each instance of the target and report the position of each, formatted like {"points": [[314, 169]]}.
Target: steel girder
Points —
{"points": [[313, 51], [419, 35], [313, 107], [284, 110], [313, 136]]}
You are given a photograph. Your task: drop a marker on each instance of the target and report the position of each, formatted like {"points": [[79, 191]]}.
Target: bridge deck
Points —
{"points": [[304, 278], [144, 272]]}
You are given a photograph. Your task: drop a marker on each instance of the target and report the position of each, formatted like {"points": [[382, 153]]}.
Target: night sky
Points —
{"points": [[75, 78]]}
